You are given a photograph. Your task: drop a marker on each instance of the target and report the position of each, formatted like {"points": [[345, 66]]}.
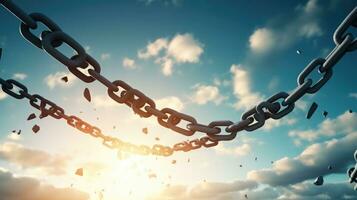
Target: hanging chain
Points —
{"points": [[88, 70]]}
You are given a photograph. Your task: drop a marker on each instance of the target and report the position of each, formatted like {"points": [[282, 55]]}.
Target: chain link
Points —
{"points": [[144, 106]]}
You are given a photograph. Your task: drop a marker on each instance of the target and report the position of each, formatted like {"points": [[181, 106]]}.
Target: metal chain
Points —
{"points": [[144, 106], [48, 108]]}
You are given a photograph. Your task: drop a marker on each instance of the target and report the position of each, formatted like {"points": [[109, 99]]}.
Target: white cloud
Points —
{"points": [[183, 48], [313, 161], [19, 76], [129, 63], [262, 40], [241, 150], [271, 123], [342, 125], [153, 48], [28, 158], [353, 95], [246, 98], [207, 93], [170, 102], [103, 101], [54, 80], [105, 56], [304, 24]]}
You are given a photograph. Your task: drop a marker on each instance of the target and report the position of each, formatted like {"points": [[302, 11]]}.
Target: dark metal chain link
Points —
{"points": [[187, 125]]}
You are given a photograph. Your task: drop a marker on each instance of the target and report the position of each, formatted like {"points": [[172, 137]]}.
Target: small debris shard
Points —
{"points": [[13, 131], [173, 162], [86, 94], [157, 139], [319, 181], [19, 132], [329, 167], [312, 110], [256, 158], [246, 196], [298, 52], [152, 175], [325, 113], [31, 117], [188, 160], [79, 172], [350, 111], [64, 79], [240, 165], [35, 128], [272, 162], [145, 130]]}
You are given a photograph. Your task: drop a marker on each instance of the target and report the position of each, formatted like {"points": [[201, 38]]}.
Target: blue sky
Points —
{"points": [[210, 59]]}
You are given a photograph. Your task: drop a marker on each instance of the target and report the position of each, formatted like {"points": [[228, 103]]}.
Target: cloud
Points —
{"points": [[103, 101], [170, 102], [342, 125], [311, 162], [105, 56], [303, 24], [129, 63], [183, 48], [353, 95], [241, 150], [27, 158], [271, 123], [153, 48], [246, 98], [206, 190], [262, 40], [14, 137], [24, 188], [54, 80], [207, 93], [19, 76]]}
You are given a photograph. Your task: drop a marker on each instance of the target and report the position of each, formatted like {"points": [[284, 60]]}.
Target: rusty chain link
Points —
{"points": [[144, 106]]}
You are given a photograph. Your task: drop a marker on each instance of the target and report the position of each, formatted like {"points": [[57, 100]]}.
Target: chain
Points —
{"points": [[48, 108], [184, 124]]}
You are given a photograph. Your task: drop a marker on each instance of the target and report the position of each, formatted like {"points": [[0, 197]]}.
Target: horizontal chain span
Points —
{"points": [[88, 70], [48, 108]]}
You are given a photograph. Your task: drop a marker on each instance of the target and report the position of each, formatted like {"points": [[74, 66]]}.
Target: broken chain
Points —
{"points": [[88, 70], [48, 108]]}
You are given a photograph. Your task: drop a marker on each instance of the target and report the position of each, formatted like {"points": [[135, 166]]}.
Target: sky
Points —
{"points": [[213, 60]]}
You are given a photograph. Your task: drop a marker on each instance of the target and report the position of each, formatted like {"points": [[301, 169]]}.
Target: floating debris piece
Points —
{"points": [[256, 158], [298, 52], [19, 132], [319, 181], [31, 116], [114, 127], [145, 130], [188, 160], [13, 131], [325, 113], [35, 128], [152, 175], [312, 110], [86, 94], [240, 165], [272, 162], [350, 111], [173, 162], [64, 79], [329, 167], [157, 139], [79, 172], [246, 196]]}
